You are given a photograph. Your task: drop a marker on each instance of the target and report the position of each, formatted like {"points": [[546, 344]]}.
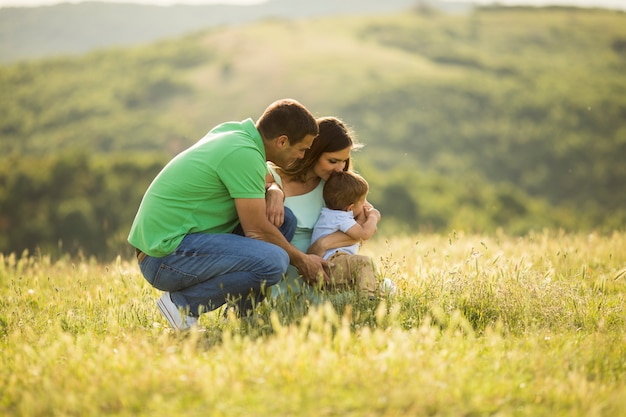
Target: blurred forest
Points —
{"points": [[506, 119]]}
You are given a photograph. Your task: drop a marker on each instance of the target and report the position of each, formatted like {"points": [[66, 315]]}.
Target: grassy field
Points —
{"points": [[481, 325]]}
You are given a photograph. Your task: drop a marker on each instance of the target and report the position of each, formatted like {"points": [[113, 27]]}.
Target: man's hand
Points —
{"points": [[274, 205], [313, 269]]}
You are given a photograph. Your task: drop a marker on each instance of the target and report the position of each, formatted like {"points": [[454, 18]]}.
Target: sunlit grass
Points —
{"points": [[481, 325]]}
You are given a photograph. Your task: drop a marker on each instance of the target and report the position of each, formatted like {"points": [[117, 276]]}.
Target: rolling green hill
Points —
{"points": [[509, 118]]}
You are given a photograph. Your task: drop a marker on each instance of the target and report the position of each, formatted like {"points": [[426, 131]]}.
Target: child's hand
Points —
{"points": [[369, 211]]}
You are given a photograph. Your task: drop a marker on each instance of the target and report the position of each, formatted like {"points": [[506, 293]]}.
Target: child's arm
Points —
{"points": [[366, 229]]}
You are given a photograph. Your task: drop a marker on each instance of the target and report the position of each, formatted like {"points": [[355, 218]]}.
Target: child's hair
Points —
{"points": [[344, 188]]}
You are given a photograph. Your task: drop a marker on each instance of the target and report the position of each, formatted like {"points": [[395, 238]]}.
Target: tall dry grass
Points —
{"points": [[480, 325]]}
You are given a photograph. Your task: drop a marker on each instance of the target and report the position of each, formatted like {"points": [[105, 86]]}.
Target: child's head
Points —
{"points": [[345, 190]]}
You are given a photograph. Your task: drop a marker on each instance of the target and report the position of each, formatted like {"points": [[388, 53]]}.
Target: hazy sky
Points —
{"points": [[613, 4], [32, 3]]}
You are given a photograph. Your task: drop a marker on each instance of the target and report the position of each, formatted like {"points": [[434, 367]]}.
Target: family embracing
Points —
{"points": [[231, 219]]}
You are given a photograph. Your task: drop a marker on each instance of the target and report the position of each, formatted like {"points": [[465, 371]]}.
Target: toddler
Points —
{"points": [[347, 210]]}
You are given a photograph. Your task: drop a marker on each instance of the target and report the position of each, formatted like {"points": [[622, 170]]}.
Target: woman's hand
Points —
{"points": [[274, 205]]}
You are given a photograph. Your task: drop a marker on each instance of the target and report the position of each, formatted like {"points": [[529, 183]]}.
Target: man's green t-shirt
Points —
{"points": [[195, 191]]}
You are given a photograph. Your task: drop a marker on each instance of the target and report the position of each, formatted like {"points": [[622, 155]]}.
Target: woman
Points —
{"points": [[302, 184]]}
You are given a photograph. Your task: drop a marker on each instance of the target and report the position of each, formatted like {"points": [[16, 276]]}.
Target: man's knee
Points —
{"points": [[280, 263]]}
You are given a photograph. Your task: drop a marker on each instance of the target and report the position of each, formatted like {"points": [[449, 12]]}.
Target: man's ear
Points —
{"points": [[350, 207], [282, 141]]}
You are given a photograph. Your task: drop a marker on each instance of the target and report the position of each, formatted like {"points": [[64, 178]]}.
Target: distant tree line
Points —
{"points": [[515, 121], [77, 204], [71, 203]]}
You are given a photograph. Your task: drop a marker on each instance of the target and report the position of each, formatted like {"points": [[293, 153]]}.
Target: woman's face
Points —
{"points": [[330, 162]]}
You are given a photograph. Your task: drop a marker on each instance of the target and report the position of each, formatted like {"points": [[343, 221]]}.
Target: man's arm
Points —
{"points": [[253, 219]]}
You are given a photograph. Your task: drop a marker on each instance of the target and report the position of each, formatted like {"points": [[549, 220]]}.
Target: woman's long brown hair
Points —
{"points": [[333, 136]]}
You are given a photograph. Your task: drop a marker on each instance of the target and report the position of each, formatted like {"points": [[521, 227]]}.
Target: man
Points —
{"points": [[183, 229]]}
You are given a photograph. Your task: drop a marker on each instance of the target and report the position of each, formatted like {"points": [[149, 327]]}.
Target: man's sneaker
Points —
{"points": [[173, 315]]}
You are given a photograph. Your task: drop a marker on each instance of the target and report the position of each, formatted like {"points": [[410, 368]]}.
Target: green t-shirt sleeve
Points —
{"points": [[243, 173]]}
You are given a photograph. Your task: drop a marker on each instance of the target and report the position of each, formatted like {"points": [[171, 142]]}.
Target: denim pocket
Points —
{"points": [[171, 279]]}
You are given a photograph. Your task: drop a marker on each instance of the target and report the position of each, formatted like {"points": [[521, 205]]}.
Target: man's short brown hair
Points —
{"points": [[287, 117]]}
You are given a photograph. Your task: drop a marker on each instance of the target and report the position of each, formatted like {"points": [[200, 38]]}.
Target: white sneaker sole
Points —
{"points": [[173, 315]]}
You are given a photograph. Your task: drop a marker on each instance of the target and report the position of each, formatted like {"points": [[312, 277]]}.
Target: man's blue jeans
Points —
{"points": [[206, 270]]}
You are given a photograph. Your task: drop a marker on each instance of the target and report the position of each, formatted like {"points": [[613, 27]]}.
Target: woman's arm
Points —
{"points": [[364, 229], [331, 241]]}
